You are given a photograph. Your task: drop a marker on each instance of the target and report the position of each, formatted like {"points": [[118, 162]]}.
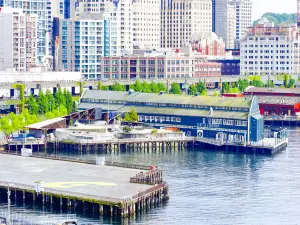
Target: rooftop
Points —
{"points": [[95, 95], [273, 90], [169, 111], [48, 124]]}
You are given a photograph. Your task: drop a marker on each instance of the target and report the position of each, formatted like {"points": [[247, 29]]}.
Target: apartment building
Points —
{"points": [[225, 22], [38, 7], [83, 41], [181, 19], [121, 11], [159, 64], [267, 49], [18, 39]]}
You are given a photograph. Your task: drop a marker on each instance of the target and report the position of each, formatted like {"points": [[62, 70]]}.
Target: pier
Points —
{"points": [[109, 190], [102, 146]]}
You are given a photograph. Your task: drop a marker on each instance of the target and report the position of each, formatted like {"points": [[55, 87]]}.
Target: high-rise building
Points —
{"points": [[63, 9], [83, 41], [267, 49], [38, 7], [18, 39], [120, 10], [146, 23], [243, 11], [181, 19], [225, 22]]}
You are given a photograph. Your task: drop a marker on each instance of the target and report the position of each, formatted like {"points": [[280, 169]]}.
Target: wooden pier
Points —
{"points": [[147, 145], [109, 190]]}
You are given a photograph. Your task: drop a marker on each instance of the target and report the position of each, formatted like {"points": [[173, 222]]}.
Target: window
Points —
{"points": [[217, 121], [178, 119], [228, 122]]}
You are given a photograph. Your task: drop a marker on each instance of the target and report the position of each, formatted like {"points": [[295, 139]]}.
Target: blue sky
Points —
{"points": [[278, 6]]}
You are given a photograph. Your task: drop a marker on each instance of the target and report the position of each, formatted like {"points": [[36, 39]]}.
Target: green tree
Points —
{"points": [[225, 88], [51, 100], [192, 89], [201, 88], [43, 103], [118, 87], [242, 84], [131, 116], [69, 101], [137, 86], [59, 98], [175, 88], [161, 87], [32, 105], [154, 87], [258, 83], [146, 88], [6, 127]]}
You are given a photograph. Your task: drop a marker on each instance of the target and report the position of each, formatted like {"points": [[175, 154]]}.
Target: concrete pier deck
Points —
{"points": [[104, 185]]}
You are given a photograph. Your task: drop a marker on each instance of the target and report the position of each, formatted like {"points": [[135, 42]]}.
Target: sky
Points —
{"points": [[278, 6]]}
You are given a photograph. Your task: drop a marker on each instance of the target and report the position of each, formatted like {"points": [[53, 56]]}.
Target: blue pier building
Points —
{"points": [[231, 120]]}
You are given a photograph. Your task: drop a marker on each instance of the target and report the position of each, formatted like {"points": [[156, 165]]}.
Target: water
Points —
{"points": [[219, 188]]}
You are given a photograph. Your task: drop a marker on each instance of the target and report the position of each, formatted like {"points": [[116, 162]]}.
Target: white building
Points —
{"points": [[243, 11], [18, 39], [84, 40], [38, 7], [180, 19], [146, 23], [267, 49], [120, 11], [225, 21]]}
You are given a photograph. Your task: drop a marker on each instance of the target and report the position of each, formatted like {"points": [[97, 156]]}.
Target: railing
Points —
{"points": [[131, 140]]}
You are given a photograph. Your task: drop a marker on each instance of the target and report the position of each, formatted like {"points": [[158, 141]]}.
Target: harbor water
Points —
{"points": [[208, 187]]}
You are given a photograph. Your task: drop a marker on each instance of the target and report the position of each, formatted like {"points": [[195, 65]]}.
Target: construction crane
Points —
{"points": [[298, 13]]}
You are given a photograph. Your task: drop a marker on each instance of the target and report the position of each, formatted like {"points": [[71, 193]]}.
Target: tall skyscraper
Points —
{"points": [[181, 19], [146, 23], [38, 7], [243, 9], [225, 21], [18, 39]]}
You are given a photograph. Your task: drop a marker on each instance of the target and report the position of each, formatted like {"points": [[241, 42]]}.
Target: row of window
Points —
{"points": [[159, 119], [229, 122]]}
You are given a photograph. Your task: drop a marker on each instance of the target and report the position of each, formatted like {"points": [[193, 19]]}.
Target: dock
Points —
{"points": [[267, 146], [109, 190]]}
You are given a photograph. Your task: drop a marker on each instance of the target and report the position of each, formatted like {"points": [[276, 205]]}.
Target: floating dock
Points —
{"points": [[109, 190], [267, 146]]}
